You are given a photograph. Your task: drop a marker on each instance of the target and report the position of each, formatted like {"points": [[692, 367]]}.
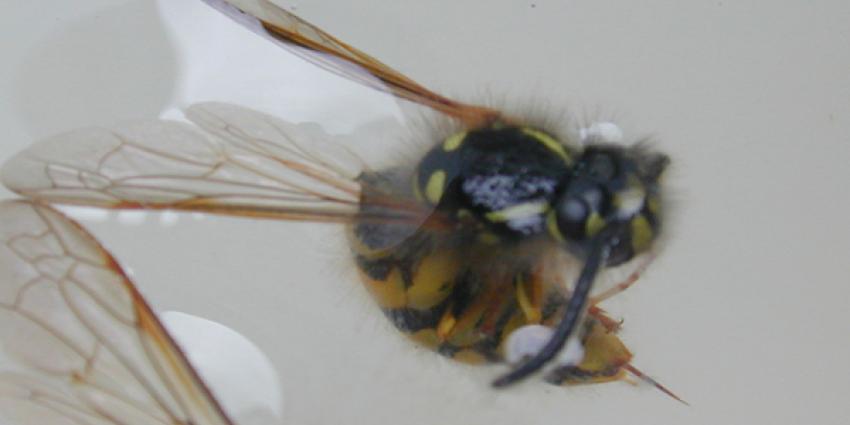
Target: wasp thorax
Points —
{"points": [[611, 185], [503, 176]]}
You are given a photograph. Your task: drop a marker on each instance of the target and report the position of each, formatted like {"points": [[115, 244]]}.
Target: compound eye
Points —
{"points": [[574, 211], [572, 214]]}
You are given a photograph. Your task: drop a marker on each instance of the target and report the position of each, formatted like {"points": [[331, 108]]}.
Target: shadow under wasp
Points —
{"points": [[484, 250]]}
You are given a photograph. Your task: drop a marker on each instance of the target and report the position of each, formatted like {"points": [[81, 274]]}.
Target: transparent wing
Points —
{"points": [[229, 160], [69, 313], [325, 50]]}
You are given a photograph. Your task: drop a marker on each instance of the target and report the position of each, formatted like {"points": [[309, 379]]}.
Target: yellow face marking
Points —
{"points": [[552, 226], [454, 141], [517, 211], [630, 200], [641, 233], [434, 187], [594, 224], [549, 142]]}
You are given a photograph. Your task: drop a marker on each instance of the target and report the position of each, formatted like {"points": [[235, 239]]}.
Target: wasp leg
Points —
{"points": [[446, 324], [610, 324], [625, 284], [575, 308], [458, 324], [468, 329], [529, 296], [594, 310]]}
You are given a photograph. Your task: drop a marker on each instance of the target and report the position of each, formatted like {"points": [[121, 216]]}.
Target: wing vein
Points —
{"points": [[169, 385], [47, 328], [117, 354]]}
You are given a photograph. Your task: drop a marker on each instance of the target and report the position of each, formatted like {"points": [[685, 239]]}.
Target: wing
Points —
{"points": [[230, 160], [71, 315], [325, 50]]}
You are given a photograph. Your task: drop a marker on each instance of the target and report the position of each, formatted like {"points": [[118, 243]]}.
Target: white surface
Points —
{"points": [[233, 368], [744, 313]]}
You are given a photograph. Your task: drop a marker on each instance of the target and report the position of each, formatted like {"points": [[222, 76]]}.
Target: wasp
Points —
{"points": [[485, 249]]}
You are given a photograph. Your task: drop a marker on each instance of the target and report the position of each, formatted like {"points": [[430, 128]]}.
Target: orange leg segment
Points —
{"points": [[625, 284]]}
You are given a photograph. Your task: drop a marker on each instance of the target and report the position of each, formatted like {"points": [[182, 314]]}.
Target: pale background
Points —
{"points": [[744, 314]]}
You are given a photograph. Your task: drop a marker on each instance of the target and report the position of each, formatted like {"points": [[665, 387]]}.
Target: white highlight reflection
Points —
{"points": [[168, 218], [602, 131], [528, 340], [236, 371], [90, 214], [132, 217]]}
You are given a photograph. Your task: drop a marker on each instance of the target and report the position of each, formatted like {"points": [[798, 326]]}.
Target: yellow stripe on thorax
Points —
{"points": [[548, 141], [454, 141], [435, 186], [518, 211]]}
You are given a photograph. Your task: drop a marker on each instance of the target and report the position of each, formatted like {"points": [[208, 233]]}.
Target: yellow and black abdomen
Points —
{"points": [[441, 293]]}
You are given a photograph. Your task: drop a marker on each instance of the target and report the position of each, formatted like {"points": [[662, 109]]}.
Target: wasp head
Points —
{"points": [[612, 186]]}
